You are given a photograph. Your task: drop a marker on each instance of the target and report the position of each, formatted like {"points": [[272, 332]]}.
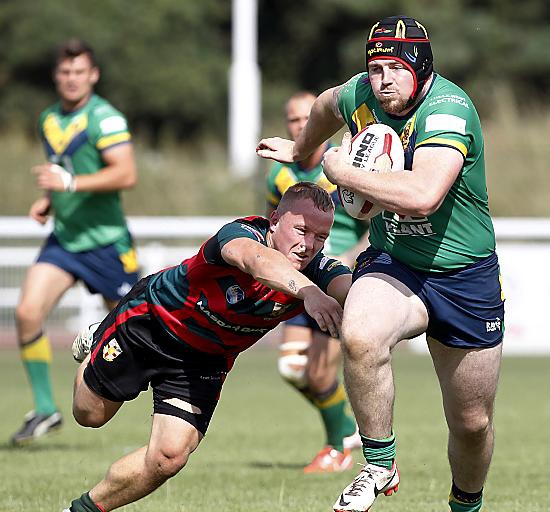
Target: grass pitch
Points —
{"points": [[263, 433]]}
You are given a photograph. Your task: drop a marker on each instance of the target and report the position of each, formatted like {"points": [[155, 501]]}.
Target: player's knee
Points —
{"points": [[166, 463], [27, 315], [292, 362], [88, 418], [471, 424], [359, 345], [319, 377]]}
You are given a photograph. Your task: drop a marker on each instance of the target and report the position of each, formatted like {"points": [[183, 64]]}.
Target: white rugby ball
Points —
{"points": [[376, 148]]}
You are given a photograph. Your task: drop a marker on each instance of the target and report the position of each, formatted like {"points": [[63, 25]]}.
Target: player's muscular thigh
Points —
{"points": [[381, 310]]}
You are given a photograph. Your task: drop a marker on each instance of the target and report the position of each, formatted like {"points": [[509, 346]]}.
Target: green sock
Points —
{"points": [[462, 501], [36, 355], [380, 452], [335, 414], [84, 504]]}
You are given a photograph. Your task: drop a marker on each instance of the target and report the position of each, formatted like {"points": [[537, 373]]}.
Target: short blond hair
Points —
{"points": [[305, 190]]}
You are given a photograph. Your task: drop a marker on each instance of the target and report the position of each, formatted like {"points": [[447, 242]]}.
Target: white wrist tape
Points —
{"points": [[69, 184]]}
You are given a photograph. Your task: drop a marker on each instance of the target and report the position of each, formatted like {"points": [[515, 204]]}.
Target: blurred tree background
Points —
{"points": [[165, 65]]}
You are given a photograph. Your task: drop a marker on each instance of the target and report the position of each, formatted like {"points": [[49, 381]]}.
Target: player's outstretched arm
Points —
{"points": [[272, 269], [276, 148]]}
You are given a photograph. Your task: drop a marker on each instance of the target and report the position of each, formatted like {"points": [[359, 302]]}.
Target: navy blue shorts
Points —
{"points": [[304, 320], [101, 270], [465, 307]]}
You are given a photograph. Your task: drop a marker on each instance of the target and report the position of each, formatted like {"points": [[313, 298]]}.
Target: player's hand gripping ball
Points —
{"points": [[377, 148]]}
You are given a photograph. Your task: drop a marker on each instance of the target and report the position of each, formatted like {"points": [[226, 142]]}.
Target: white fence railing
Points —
{"points": [[161, 241], [523, 247]]}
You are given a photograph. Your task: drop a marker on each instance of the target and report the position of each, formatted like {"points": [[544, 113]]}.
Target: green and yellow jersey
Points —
{"points": [[461, 231], [76, 141], [346, 231]]}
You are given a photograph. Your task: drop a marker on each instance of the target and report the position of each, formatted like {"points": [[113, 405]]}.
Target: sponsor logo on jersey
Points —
{"points": [[494, 325], [202, 307], [334, 264], [111, 350], [405, 225], [234, 294], [113, 124], [449, 98], [407, 132], [445, 122], [323, 262]]}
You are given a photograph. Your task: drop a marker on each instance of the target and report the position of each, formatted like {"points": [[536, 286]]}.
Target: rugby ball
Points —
{"points": [[376, 148]]}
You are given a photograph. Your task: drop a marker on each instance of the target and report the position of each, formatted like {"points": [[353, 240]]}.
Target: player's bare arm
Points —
{"points": [[119, 173], [272, 269], [339, 288], [40, 210], [324, 121], [419, 192]]}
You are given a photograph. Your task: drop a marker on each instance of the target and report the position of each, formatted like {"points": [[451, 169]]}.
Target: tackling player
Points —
{"points": [[90, 159], [309, 359], [180, 330], [432, 266]]}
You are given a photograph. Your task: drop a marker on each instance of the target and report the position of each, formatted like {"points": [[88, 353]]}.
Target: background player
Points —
{"points": [[309, 359], [180, 330], [432, 266], [90, 159]]}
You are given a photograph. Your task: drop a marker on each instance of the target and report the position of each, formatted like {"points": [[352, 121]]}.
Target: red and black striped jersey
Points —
{"points": [[215, 307]]}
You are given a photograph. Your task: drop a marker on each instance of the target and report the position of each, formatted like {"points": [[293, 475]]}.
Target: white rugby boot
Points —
{"points": [[83, 342], [366, 486]]}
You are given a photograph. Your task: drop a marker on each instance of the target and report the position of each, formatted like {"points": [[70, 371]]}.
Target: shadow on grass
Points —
{"points": [[35, 447]]}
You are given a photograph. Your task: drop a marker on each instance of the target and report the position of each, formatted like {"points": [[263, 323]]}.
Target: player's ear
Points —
{"points": [[274, 218], [95, 75]]}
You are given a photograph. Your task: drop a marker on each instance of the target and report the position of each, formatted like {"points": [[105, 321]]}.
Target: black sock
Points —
{"points": [[465, 497], [84, 504]]}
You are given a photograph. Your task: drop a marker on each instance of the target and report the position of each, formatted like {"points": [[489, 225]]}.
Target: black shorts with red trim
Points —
{"points": [[132, 351]]}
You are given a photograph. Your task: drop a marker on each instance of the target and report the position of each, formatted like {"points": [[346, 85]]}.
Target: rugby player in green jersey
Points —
{"points": [[180, 330], [89, 160], [309, 359], [431, 267]]}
